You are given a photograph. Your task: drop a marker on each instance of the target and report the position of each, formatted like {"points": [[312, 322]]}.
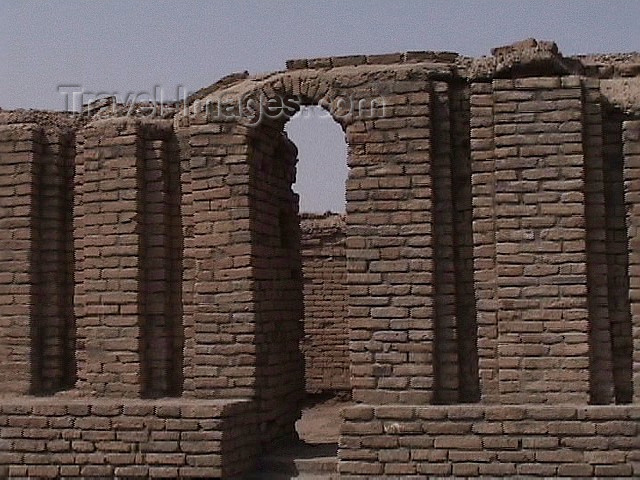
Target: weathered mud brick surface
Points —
{"points": [[164, 305], [326, 334]]}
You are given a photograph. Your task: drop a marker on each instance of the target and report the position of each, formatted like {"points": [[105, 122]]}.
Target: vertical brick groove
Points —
{"points": [[617, 257], [161, 326], [601, 364], [446, 359], [631, 151], [467, 325]]}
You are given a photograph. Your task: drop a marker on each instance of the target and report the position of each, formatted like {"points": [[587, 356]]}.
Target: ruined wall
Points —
{"points": [[491, 257], [326, 334]]}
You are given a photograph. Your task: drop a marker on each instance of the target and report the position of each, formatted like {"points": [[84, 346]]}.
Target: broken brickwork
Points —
{"points": [[152, 273]]}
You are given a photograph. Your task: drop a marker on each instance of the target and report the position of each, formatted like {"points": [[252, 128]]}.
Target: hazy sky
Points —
{"points": [[135, 46]]}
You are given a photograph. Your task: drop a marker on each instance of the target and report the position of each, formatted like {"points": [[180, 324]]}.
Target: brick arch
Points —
{"points": [[389, 230], [242, 276]]}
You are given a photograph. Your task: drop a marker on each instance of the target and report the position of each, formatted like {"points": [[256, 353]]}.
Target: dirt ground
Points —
{"points": [[320, 422]]}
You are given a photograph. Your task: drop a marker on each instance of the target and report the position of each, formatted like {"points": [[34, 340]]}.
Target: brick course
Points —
{"points": [[137, 438], [472, 440]]}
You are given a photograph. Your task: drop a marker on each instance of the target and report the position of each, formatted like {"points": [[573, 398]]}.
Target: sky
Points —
{"points": [[126, 47]]}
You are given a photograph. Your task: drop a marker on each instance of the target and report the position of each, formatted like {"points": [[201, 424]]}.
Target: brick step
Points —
{"points": [[299, 461]]}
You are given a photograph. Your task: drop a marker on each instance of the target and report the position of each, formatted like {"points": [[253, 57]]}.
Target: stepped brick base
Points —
{"points": [[469, 440], [53, 438]]}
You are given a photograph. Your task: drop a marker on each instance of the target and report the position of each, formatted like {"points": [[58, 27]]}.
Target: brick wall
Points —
{"points": [[219, 322], [137, 438], [38, 323], [326, 334], [538, 240], [390, 266], [472, 440]]}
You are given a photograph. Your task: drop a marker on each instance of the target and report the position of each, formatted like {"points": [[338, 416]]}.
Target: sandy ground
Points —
{"points": [[320, 422]]}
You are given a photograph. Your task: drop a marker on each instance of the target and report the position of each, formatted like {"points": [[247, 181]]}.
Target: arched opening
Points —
{"points": [[322, 169], [320, 184], [289, 263]]}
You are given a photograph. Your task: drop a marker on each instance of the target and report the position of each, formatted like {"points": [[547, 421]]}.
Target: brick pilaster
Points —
{"points": [[19, 153], [107, 235]]}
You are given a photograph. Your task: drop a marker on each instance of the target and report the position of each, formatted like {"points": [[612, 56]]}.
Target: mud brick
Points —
{"points": [[575, 470], [501, 442], [446, 427], [97, 470], [43, 471], [106, 410], [197, 472], [617, 427], [466, 469], [396, 413], [621, 470], [357, 413], [78, 410], [97, 435], [560, 456], [168, 411], [458, 442], [138, 409], [159, 446], [369, 428], [165, 459], [397, 455], [69, 470], [437, 469], [497, 469], [360, 468], [163, 472], [93, 423], [127, 423], [131, 471], [204, 460], [181, 424]]}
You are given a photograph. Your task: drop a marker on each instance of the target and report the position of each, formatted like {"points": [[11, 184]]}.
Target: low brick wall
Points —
{"points": [[466, 440], [54, 437]]}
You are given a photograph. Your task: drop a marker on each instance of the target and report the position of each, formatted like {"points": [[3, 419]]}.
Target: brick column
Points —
{"points": [[18, 155], [107, 237], [631, 139], [390, 268], [219, 307], [541, 241]]}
